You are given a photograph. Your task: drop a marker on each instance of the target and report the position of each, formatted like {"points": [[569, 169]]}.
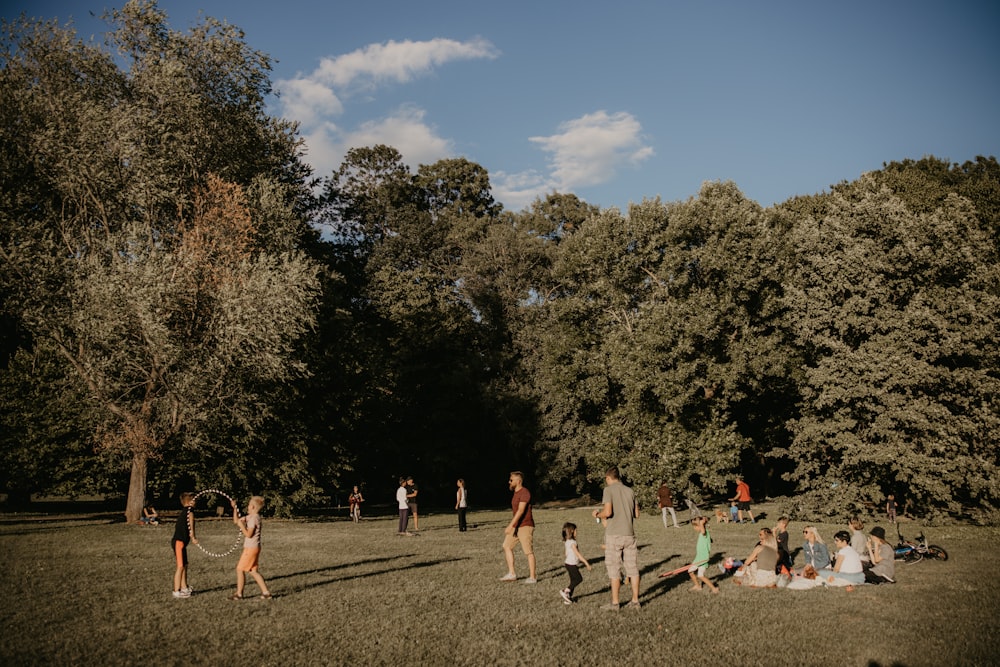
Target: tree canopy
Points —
{"points": [[181, 299]]}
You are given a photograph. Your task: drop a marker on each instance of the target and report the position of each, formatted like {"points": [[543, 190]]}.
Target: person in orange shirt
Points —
{"points": [[742, 499]]}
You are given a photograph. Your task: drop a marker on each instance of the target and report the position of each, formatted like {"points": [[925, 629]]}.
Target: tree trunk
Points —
{"points": [[136, 488]]}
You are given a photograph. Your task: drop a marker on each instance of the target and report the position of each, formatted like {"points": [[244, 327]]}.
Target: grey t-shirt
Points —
{"points": [[622, 501]]}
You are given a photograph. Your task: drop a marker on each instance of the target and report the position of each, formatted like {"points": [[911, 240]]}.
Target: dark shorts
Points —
{"points": [[413, 507], [743, 505]]}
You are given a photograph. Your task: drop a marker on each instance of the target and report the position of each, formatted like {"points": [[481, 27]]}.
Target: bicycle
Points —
{"points": [[915, 551]]}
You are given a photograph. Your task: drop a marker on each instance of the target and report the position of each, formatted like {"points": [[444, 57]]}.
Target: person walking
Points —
{"points": [[462, 505], [520, 529], [619, 510], [742, 499], [665, 499]]}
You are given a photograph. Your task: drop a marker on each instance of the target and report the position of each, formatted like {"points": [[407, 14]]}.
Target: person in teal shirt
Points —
{"points": [[702, 553]]}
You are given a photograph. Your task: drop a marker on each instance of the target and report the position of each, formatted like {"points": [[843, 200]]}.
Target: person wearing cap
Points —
{"points": [[881, 565]]}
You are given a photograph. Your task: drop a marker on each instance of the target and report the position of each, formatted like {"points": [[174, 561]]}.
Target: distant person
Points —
{"points": [[462, 504], [814, 550], [411, 499], [881, 567], [890, 508], [149, 516], [183, 534], [520, 530], [702, 553], [665, 500], [742, 499], [250, 526], [692, 507], [858, 540], [620, 511], [355, 500], [572, 562], [733, 512], [404, 508]]}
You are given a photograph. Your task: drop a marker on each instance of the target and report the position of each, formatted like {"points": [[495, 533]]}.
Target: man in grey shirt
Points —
{"points": [[619, 512]]}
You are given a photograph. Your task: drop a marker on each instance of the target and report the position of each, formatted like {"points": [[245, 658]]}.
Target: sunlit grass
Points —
{"points": [[86, 592]]}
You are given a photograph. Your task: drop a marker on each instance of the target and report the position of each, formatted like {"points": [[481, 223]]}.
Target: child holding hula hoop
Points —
{"points": [[183, 533], [249, 560]]}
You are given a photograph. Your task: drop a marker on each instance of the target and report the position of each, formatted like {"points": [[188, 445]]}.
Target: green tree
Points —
{"points": [[895, 306], [134, 205], [665, 353]]}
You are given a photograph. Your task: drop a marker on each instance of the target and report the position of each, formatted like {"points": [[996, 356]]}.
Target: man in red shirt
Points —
{"points": [[742, 499], [520, 529]]}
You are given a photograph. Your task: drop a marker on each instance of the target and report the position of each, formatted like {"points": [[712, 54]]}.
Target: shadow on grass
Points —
{"points": [[47, 525], [302, 587], [662, 586]]}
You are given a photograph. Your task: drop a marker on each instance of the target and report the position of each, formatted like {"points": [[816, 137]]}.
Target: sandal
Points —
{"points": [[235, 596], [265, 596]]}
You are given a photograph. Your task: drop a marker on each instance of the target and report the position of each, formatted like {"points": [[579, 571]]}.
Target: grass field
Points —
{"points": [[79, 590]]}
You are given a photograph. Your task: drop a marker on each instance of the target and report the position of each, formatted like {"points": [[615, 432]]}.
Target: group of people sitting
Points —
{"points": [[857, 559]]}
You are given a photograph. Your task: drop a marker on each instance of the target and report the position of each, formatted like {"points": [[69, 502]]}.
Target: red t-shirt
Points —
{"points": [[522, 495], [742, 492]]}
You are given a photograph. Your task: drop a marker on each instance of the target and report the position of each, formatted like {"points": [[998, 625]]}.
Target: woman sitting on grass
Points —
{"points": [[814, 550], [758, 570], [881, 566]]}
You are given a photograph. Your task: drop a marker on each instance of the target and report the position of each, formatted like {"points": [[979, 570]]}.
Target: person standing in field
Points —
{"points": [[462, 504], [620, 511], [250, 526], [890, 508], [355, 500], [573, 560], [702, 553], [665, 499], [411, 498], [183, 534], [404, 507], [742, 499], [520, 529]]}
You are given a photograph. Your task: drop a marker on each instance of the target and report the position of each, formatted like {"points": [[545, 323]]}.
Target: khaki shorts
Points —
{"points": [[619, 550], [524, 534]]}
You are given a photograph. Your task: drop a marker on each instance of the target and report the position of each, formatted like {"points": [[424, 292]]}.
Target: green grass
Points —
{"points": [[82, 591]]}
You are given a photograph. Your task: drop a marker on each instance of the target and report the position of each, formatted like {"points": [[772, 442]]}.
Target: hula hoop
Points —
{"points": [[239, 536]]}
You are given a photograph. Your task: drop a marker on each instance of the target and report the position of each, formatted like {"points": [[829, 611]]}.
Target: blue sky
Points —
{"points": [[622, 101]]}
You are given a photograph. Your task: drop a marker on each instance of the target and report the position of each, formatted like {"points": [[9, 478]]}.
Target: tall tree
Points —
{"points": [[895, 307], [134, 205]]}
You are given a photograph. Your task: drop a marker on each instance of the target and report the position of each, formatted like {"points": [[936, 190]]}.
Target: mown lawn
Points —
{"points": [[83, 591]]}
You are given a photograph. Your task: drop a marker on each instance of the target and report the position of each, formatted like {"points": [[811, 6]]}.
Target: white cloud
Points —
{"points": [[589, 149], [397, 61], [308, 100], [405, 131], [316, 99], [518, 190]]}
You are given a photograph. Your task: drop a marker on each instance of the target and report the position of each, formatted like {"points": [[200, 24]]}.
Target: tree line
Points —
{"points": [[185, 303]]}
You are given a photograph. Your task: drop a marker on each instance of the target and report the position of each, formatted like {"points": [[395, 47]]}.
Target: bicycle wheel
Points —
{"points": [[913, 556], [934, 551]]}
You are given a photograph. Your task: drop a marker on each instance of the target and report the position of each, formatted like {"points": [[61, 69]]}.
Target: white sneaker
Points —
{"points": [[530, 580], [188, 590], [508, 577], [565, 596], [181, 594]]}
